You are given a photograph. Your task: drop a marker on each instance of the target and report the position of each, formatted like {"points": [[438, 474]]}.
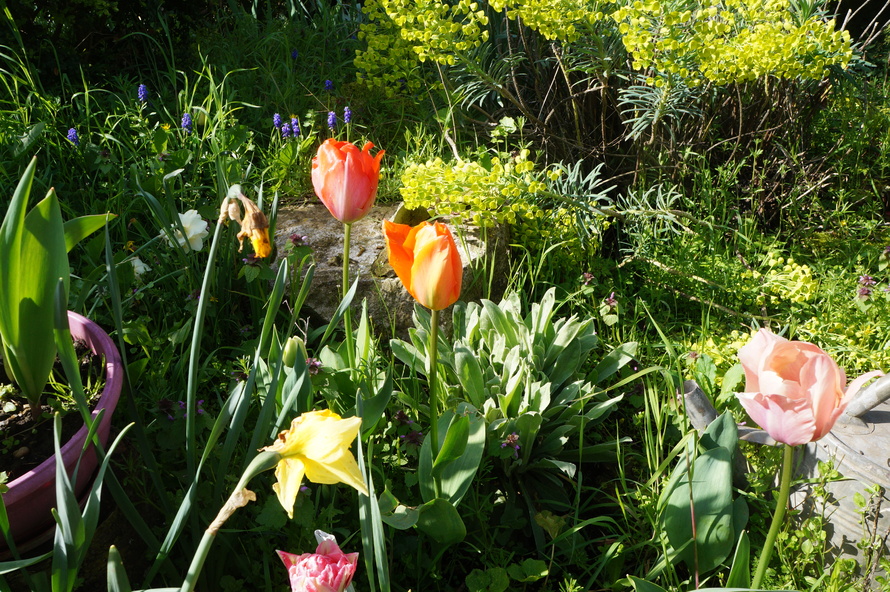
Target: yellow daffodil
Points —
{"points": [[317, 446]]}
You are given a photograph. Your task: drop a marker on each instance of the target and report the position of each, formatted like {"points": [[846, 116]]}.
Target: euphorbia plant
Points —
{"points": [[33, 257]]}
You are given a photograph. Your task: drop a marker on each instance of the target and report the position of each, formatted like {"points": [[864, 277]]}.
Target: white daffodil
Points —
{"points": [[139, 266], [195, 231]]}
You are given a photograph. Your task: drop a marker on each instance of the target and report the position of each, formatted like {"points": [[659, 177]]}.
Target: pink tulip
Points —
{"points": [[345, 178], [794, 390], [327, 570]]}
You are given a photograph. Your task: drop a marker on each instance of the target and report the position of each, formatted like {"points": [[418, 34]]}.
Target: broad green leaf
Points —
{"points": [[457, 476], [469, 373], [32, 260], [722, 432], [644, 586], [454, 445], [530, 570], [613, 361], [711, 494], [440, 521], [78, 229]]}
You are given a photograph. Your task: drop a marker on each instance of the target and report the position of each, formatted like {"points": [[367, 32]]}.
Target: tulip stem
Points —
{"points": [[434, 399], [347, 314], [778, 516]]}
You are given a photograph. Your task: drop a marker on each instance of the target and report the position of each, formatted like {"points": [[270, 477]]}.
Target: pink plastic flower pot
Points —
{"points": [[32, 496]]}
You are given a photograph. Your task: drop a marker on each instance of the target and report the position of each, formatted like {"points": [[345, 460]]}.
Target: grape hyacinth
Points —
{"points": [[329, 85], [187, 122], [142, 93], [276, 121], [285, 130], [347, 115], [294, 54], [332, 120], [295, 126], [73, 137]]}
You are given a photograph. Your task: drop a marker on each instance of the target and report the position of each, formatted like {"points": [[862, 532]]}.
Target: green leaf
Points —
{"points": [[711, 495], [457, 476], [613, 361], [32, 260], [469, 373], [440, 521], [395, 514], [531, 570], [644, 586], [740, 573], [722, 432], [117, 575], [454, 445], [493, 579], [78, 229]]}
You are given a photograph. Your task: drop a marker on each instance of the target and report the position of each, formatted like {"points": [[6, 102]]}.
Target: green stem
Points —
{"points": [[344, 288], [434, 398], [261, 462], [778, 517]]}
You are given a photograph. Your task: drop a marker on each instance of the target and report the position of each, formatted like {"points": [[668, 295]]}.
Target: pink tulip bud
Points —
{"points": [[327, 570]]}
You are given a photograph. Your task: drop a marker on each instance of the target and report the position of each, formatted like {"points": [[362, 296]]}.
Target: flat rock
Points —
{"points": [[483, 253]]}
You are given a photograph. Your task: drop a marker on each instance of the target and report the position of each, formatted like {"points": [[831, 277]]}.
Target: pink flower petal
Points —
{"points": [[787, 420]]}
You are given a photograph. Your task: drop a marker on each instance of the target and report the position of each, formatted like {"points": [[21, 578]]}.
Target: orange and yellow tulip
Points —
{"points": [[345, 178], [425, 258]]}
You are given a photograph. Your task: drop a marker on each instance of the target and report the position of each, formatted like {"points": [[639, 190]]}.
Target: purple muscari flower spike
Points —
{"points": [[347, 115], [187, 122], [285, 130], [73, 137], [142, 93], [276, 121], [329, 85], [295, 126], [294, 54], [332, 120]]}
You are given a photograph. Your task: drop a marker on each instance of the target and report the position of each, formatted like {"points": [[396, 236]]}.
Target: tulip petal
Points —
{"points": [[822, 379], [400, 258], [787, 420], [857, 384], [753, 353]]}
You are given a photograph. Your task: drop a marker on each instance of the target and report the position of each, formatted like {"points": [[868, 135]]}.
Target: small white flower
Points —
{"points": [[139, 266], [195, 231]]}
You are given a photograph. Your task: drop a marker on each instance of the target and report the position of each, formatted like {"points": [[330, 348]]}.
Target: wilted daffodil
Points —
{"points": [[317, 446], [254, 224]]}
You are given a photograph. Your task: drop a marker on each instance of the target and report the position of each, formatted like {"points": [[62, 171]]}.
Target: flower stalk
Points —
{"points": [[778, 516], [344, 288], [433, 374]]}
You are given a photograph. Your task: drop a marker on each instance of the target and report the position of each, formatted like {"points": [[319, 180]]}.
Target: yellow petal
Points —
{"points": [[289, 473], [340, 470]]}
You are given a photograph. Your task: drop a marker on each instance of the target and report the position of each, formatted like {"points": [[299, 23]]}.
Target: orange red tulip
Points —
{"points": [[426, 259], [345, 178]]}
